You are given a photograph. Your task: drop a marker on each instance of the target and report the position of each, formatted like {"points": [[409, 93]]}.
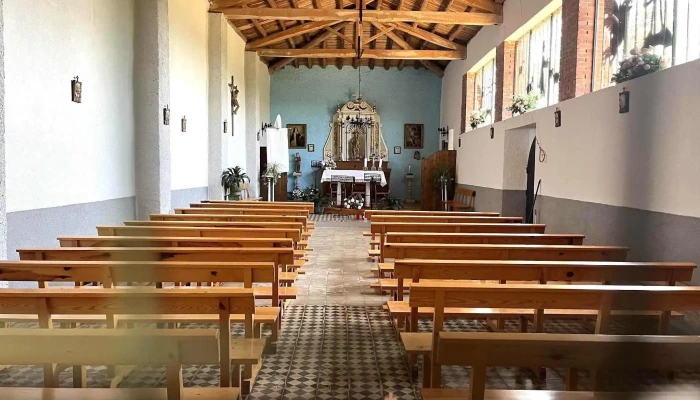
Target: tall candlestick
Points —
{"points": [[380, 163], [365, 162]]}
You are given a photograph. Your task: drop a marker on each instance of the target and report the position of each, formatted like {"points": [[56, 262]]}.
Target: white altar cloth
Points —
{"points": [[357, 174]]}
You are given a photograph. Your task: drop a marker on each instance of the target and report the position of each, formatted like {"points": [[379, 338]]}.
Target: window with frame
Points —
{"points": [[485, 90], [664, 26], [538, 59]]}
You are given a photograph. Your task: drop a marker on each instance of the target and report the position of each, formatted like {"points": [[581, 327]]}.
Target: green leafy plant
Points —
{"points": [[524, 103], [642, 62], [273, 171], [232, 179], [443, 174], [313, 195], [391, 203]]}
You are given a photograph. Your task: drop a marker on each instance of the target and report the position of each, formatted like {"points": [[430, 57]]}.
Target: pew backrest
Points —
{"points": [[194, 231], [446, 219], [503, 252], [229, 218], [244, 211], [485, 238], [259, 204], [144, 241], [219, 224], [369, 214]]}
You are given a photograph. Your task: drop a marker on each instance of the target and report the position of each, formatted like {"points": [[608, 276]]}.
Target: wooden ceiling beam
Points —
{"points": [[426, 61], [315, 41], [336, 32], [486, 5], [287, 34], [408, 54], [377, 35], [427, 36], [220, 5], [381, 16]]}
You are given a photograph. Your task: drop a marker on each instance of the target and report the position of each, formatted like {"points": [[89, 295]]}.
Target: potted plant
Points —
{"points": [[642, 62], [232, 179], [311, 194], [478, 117], [523, 103], [390, 203]]}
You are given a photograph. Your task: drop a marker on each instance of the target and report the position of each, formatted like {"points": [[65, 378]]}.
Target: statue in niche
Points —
{"points": [[356, 146], [297, 163]]}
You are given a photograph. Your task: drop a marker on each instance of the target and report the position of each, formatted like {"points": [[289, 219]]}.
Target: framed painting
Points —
{"points": [[296, 133], [413, 135], [397, 149]]}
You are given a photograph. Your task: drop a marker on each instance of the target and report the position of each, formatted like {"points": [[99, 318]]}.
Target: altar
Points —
{"points": [[337, 176], [358, 153]]}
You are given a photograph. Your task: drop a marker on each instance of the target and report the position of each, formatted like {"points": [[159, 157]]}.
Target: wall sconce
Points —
{"points": [[459, 142], [493, 132], [76, 90], [166, 115], [443, 131], [624, 99], [225, 126], [183, 124], [258, 136], [557, 118]]}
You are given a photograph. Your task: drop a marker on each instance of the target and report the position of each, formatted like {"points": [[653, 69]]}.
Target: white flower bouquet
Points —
{"points": [[329, 164], [478, 117], [355, 202], [524, 103], [641, 62]]}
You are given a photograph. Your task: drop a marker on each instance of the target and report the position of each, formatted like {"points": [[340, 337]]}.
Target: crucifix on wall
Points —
{"points": [[234, 100]]}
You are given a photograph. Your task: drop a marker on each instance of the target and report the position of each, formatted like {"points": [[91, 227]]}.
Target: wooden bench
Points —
{"points": [[172, 348], [194, 231], [426, 251], [230, 218], [244, 211], [463, 200], [371, 213], [382, 228], [446, 219], [223, 224], [594, 352], [486, 238], [603, 298], [541, 272], [114, 273], [259, 204], [155, 241], [281, 257], [47, 303]]}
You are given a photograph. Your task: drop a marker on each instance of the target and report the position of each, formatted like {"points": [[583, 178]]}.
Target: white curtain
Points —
{"points": [[278, 148]]}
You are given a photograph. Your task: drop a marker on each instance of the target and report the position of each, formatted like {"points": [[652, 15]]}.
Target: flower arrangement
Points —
{"points": [[478, 117], [641, 62], [524, 103], [354, 202]]}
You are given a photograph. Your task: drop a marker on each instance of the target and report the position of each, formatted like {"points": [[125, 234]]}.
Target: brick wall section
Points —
{"points": [[468, 98], [505, 79], [578, 27]]}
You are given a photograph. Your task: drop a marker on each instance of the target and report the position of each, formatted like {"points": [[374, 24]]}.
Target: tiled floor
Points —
{"points": [[338, 343]]}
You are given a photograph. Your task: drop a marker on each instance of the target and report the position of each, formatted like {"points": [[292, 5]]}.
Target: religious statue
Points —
{"points": [[234, 97], [297, 163], [356, 146]]}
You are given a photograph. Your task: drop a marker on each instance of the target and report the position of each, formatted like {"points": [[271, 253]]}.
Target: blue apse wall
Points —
{"points": [[310, 96]]}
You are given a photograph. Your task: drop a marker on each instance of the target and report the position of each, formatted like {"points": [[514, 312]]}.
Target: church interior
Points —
{"points": [[349, 199]]}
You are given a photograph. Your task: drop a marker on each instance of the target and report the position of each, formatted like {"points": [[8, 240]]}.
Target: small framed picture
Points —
{"points": [[310, 148], [297, 136], [397, 149], [624, 101], [76, 89]]}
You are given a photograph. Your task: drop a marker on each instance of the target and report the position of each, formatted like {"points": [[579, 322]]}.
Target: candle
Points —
{"points": [[365, 162], [409, 169], [380, 163]]}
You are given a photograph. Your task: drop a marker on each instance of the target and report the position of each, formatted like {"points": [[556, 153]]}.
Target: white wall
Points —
{"points": [[59, 152], [188, 92], [646, 159], [264, 90], [236, 68], [515, 14]]}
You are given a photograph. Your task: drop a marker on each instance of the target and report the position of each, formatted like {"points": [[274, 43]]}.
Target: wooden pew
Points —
{"points": [[442, 251], [244, 211], [382, 228], [280, 256], [446, 219], [231, 218], [113, 273], [371, 213], [172, 348], [481, 350], [47, 303], [223, 224], [603, 298], [194, 231], [260, 204], [542, 272], [486, 238]]}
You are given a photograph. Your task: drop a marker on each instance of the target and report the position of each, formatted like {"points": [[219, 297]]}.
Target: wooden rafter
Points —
{"points": [[315, 41], [289, 33], [426, 61], [427, 36], [409, 54], [336, 32], [220, 5], [381, 16], [377, 34]]}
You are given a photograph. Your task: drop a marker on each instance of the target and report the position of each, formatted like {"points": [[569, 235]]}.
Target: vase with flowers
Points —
{"points": [[524, 103], [641, 62], [478, 117]]}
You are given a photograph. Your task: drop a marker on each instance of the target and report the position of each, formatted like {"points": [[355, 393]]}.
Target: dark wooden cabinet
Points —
{"points": [[430, 198]]}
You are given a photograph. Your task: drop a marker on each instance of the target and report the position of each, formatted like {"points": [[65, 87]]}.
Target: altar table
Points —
{"points": [[358, 175]]}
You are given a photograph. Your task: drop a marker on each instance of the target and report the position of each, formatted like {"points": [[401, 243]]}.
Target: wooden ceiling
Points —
{"points": [[391, 33]]}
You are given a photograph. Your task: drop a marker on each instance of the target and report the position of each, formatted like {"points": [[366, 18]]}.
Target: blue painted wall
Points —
{"points": [[310, 96]]}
